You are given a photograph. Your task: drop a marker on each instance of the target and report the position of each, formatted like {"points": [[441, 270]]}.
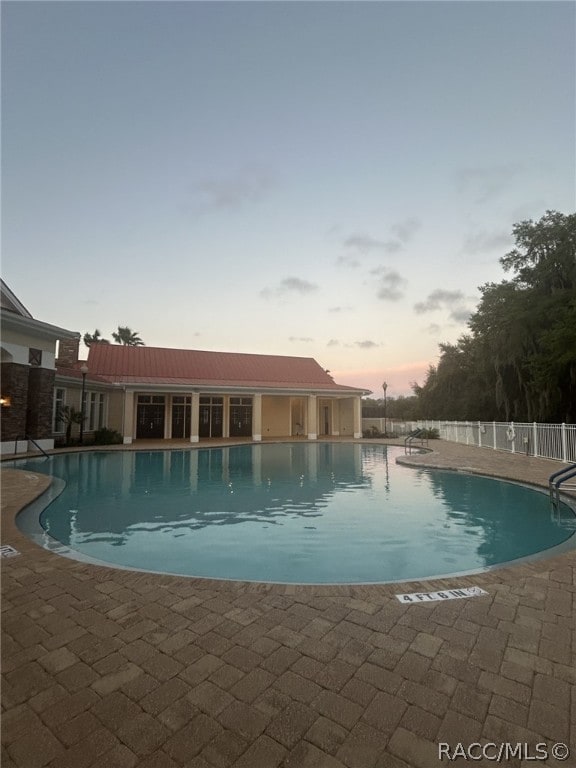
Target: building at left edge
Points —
{"points": [[28, 359]]}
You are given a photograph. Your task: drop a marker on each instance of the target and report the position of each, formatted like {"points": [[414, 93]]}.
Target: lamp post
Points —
{"points": [[83, 371], [385, 387]]}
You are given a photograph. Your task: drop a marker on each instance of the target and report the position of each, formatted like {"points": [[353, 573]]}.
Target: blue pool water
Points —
{"points": [[293, 512]]}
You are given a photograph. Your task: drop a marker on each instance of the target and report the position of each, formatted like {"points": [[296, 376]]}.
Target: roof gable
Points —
{"points": [[9, 301]]}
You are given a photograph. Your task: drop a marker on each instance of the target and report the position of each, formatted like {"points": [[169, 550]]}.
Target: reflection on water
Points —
{"points": [[297, 512]]}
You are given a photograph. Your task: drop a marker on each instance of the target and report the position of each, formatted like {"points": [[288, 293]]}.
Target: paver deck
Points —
{"points": [[114, 669]]}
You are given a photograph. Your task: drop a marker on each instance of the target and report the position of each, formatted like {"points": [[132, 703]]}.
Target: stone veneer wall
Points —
{"points": [[15, 386], [40, 403]]}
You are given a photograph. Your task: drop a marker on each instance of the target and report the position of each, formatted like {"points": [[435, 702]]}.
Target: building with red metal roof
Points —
{"points": [[160, 393]]}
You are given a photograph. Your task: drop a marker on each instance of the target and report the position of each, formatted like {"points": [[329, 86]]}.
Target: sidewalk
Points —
{"points": [[115, 669]]}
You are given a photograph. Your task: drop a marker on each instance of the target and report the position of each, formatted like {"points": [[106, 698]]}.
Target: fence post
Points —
{"points": [[479, 434], [512, 447], [494, 435], [564, 450], [535, 438]]}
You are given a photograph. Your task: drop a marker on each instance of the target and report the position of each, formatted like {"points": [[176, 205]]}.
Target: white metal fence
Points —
{"points": [[549, 441]]}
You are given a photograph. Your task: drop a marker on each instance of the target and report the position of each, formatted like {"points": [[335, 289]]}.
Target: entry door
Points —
{"points": [[240, 417], [150, 421], [180, 421], [210, 419]]}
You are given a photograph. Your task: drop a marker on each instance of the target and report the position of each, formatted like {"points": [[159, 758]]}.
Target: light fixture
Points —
{"points": [[5, 401], [384, 388]]}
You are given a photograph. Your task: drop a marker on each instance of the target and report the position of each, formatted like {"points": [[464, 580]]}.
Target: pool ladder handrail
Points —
{"points": [[39, 447], [416, 433], [557, 478]]}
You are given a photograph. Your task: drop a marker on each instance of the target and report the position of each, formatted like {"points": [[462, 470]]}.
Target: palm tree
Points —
{"points": [[94, 338], [127, 337], [69, 416]]}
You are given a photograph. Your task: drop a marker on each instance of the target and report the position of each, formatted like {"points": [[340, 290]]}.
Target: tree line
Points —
{"points": [[517, 362]]}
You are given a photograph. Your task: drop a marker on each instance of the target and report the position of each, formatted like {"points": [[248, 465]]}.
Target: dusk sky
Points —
{"points": [[329, 180]]}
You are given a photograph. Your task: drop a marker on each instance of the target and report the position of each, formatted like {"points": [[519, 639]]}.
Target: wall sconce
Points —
{"points": [[5, 401]]}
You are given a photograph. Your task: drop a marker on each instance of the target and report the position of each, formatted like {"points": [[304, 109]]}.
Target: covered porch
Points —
{"points": [[198, 416]]}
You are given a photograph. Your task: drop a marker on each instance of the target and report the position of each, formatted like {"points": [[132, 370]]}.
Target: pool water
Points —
{"points": [[292, 512]]}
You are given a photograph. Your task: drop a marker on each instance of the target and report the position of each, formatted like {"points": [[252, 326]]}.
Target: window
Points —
{"points": [[101, 413], [35, 356], [181, 400], [95, 410], [157, 399], [59, 403]]}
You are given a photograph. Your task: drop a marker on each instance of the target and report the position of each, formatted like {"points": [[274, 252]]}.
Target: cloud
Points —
{"points": [[486, 184], [289, 285], [364, 244], [300, 338], [482, 241], [347, 261], [454, 301], [460, 315], [390, 284], [406, 229], [340, 309], [437, 300], [249, 185], [433, 329], [367, 344]]}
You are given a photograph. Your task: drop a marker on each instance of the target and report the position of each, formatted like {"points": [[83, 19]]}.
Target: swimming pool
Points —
{"points": [[291, 513]]}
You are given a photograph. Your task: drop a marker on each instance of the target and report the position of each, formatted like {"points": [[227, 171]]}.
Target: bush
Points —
{"points": [[429, 434], [105, 436], [373, 432]]}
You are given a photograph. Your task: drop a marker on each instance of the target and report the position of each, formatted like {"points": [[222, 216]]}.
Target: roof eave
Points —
{"points": [[30, 325]]}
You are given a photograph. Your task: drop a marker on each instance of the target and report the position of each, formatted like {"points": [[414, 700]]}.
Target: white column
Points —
{"points": [[312, 417], [167, 416], [257, 418], [128, 420], [357, 417], [226, 416], [335, 418], [195, 418]]}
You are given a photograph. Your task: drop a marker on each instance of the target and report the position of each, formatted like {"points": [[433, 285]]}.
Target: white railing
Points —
{"points": [[548, 441]]}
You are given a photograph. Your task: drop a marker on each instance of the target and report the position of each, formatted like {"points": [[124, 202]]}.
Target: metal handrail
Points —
{"points": [[31, 440], [557, 478], [412, 436]]}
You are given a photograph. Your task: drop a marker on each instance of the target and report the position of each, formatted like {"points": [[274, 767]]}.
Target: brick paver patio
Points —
{"points": [[115, 669]]}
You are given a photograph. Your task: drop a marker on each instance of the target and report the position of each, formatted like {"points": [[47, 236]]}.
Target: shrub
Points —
{"points": [[105, 436], [429, 434]]}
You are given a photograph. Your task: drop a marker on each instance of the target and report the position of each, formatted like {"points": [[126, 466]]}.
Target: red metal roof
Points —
{"points": [[157, 365]]}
